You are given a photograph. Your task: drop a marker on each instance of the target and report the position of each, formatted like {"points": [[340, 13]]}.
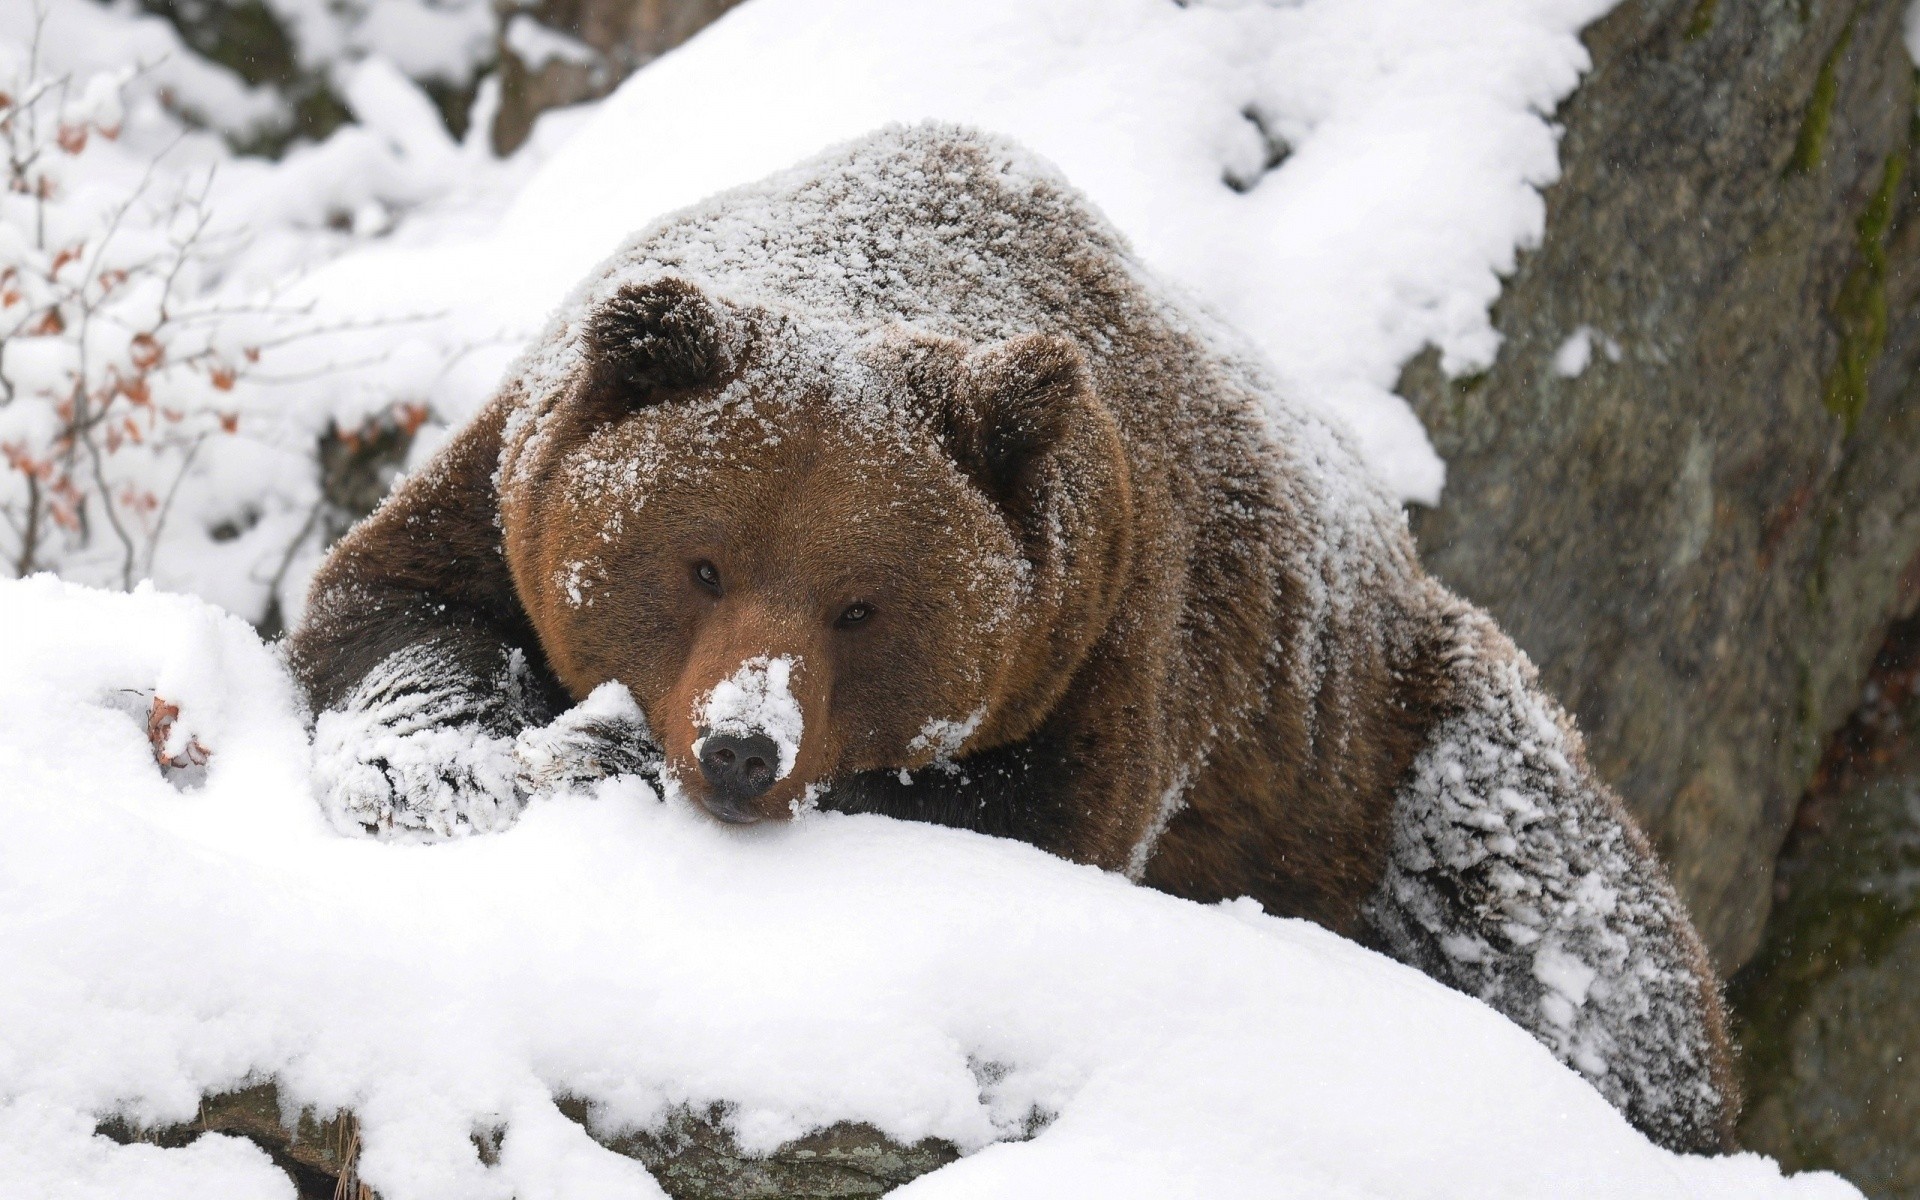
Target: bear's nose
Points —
{"points": [[738, 767]]}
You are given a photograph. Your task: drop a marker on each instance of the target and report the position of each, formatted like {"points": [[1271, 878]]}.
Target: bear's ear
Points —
{"points": [[651, 340], [1017, 408]]}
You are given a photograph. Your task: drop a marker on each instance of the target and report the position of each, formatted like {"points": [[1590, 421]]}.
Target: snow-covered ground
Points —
{"points": [[1343, 178], [163, 943]]}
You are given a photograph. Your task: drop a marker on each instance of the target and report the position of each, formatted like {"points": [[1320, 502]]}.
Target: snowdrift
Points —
{"points": [[166, 939]]}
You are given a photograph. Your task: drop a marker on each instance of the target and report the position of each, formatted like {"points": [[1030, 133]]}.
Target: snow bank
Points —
{"points": [[1343, 179], [163, 943]]}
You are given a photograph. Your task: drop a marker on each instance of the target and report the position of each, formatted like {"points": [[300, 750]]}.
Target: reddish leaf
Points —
{"points": [[50, 323], [146, 351], [223, 378], [230, 422], [160, 721]]}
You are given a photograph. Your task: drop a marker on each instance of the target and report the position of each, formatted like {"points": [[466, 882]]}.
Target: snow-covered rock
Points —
{"points": [[161, 944]]}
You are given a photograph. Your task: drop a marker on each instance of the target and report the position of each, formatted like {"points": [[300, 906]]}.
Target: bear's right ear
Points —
{"points": [[651, 340]]}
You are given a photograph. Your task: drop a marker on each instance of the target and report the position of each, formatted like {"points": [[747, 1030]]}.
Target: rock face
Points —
{"points": [[559, 52], [1829, 1014], [1690, 485]]}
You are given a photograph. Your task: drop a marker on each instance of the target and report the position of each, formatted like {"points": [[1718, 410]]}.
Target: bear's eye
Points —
{"points": [[853, 614], [707, 575]]}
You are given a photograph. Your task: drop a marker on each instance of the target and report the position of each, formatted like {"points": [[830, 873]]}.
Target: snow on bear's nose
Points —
{"points": [[749, 736]]}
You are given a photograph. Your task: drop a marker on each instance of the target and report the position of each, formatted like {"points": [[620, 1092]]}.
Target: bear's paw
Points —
{"points": [[422, 784], [603, 736]]}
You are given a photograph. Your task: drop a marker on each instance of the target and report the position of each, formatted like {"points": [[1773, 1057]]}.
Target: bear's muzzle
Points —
{"points": [[738, 768]]}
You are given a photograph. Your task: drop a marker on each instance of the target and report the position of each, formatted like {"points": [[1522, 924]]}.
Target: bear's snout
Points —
{"points": [[738, 769]]}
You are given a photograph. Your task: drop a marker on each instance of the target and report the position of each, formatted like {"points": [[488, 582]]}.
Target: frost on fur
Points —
{"points": [[1517, 878]]}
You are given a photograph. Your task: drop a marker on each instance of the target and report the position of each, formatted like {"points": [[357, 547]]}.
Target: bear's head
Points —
{"points": [[810, 552]]}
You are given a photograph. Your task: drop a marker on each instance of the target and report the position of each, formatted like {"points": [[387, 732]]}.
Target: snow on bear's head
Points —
{"points": [[802, 545]]}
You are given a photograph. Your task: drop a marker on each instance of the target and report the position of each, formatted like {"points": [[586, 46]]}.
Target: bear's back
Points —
{"points": [[948, 229]]}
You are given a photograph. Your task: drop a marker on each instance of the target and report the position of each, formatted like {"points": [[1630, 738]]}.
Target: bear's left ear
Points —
{"points": [[1020, 404], [651, 340]]}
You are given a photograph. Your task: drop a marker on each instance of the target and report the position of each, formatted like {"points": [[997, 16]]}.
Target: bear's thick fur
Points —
{"points": [[895, 484]]}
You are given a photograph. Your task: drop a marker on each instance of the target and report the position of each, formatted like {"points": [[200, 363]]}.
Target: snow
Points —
{"points": [[535, 45], [85, 39], [1571, 359], [945, 736], [757, 698], [1417, 135], [163, 944], [149, 264]]}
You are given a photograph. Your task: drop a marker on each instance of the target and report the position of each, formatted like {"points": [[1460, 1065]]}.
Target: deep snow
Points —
{"points": [[163, 943]]}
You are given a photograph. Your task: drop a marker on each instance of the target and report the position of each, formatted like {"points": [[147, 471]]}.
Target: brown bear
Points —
{"points": [[895, 484]]}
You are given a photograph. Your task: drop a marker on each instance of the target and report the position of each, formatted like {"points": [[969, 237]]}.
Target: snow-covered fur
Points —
{"points": [[1137, 605], [416, 752], [1517, 877]]}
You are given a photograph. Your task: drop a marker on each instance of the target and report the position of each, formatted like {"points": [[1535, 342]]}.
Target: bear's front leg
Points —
{"points": [[425, 748], [423, 745], [1516, 876]]}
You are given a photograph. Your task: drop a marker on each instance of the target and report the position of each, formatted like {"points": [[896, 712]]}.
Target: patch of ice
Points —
{"points": [[757, 698]]}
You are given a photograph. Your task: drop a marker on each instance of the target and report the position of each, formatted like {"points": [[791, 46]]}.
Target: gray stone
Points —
{"points": [[1701, 537], [623, 36], [691, 1156], [1829, 1014]]}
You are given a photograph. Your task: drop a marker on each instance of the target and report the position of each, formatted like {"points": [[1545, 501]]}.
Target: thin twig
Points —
{"points": [[166, 506]]}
